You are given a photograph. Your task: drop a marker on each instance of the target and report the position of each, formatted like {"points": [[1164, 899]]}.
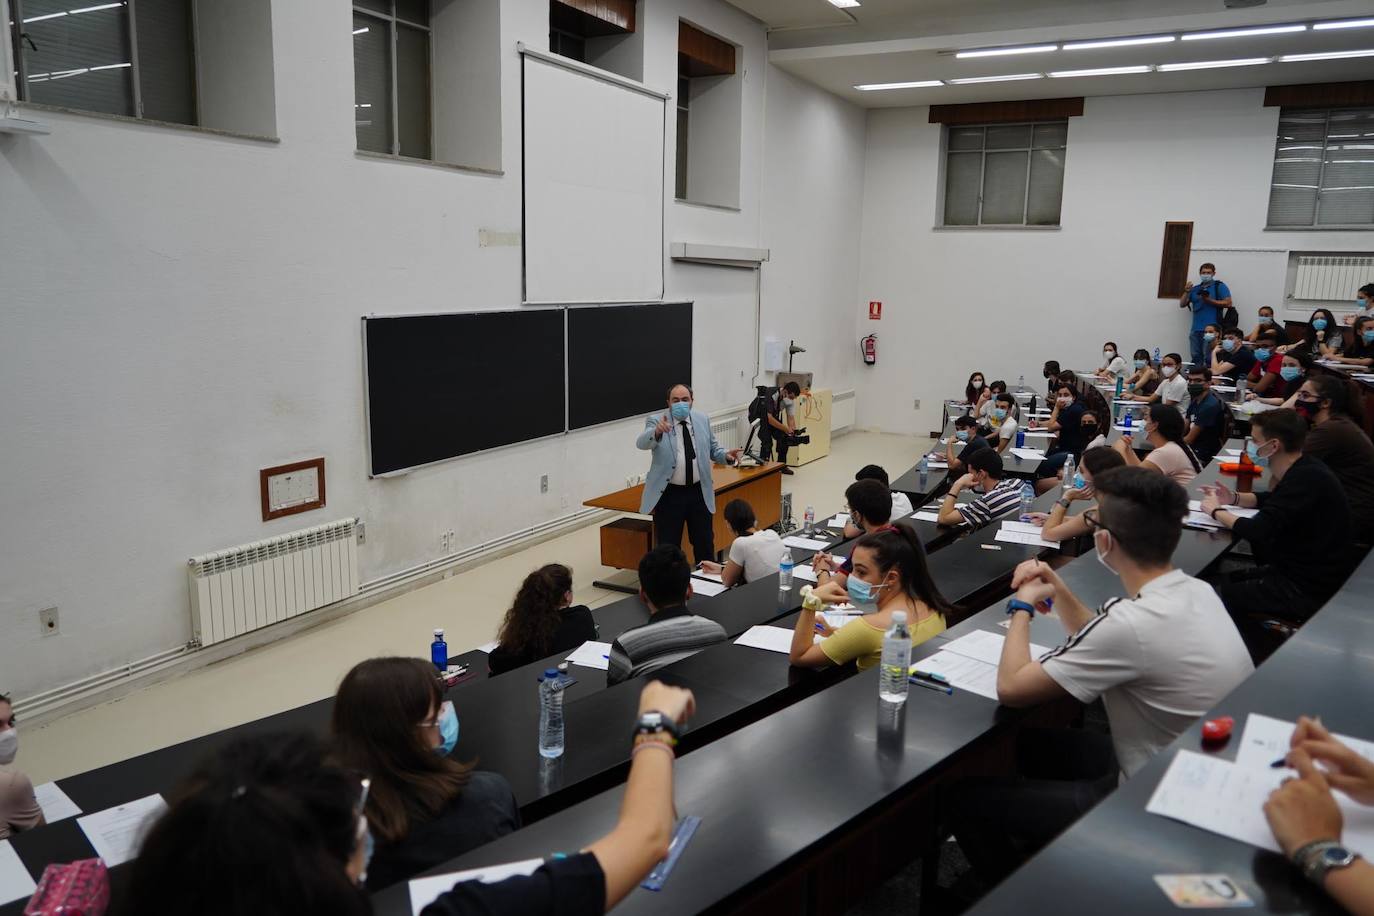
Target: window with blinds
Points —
{"points": [[113, 58], [391, 77], [1005, 174], [1323, 169]]}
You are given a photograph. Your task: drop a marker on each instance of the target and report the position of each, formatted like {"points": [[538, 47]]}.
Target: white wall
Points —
{"points": [[183, 309], [1003, 301]]}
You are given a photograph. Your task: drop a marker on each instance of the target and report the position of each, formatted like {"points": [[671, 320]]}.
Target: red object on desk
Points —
{"points": [[1215, 731], [1245, 471]]}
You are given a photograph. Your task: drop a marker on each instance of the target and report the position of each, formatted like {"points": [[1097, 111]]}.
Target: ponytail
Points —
{"points": [[1169, 422], [898, 546]]}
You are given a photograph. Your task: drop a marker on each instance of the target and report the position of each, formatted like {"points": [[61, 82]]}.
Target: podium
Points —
{"points": [[624, 541]]}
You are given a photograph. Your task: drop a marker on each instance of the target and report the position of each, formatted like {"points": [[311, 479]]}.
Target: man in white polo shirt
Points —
{"points": [[1158, 660]]}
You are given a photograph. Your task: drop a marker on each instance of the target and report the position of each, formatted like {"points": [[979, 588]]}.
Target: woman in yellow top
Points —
{"points": [[889, 573]]}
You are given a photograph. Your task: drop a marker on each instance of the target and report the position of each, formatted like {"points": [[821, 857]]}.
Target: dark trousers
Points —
{"points": [[768, 437], [680, 506], [1254, 595], [1060, 775]]}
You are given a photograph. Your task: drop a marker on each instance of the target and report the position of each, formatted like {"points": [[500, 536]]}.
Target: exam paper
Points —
{"points": [[1266, 739], [591, 654], [1228, 799], [1028, 453], [15, 882], [839, 521], [706, 587], [962, 672], [424, 891], [938, 465], [1195, 505], [806, 572], [1023, 533], [924, 516], [805, 543], [489, 647], [114, 833], [55, 803], [985, 647], [774, 639]]}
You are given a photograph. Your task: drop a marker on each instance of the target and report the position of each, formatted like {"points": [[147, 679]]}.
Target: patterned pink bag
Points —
{"points": [[75, 889]]}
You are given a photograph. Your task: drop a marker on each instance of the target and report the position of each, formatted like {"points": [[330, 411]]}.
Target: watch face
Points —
{"points": [[652, 719], [1336, 855]]}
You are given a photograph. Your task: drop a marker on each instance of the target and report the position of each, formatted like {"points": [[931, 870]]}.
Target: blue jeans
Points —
{"points": [[1195, 348]]}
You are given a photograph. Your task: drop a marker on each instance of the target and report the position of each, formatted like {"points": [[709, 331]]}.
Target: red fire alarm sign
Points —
{"points": [[875, 310]]}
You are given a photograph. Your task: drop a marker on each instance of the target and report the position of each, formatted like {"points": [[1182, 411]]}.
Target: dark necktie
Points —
{"points": [[689, 451]]}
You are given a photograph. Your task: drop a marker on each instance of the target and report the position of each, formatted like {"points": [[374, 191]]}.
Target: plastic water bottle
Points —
{"points": [[1120, 383], [550, 714], [1126, 421], [1240, 390], [438, 650], [809, 519], [1027, 498], [1069, 471], [1020, 383], [923, 467], [785, 566], [1020, 437], [1156, 356], [892, 676]]}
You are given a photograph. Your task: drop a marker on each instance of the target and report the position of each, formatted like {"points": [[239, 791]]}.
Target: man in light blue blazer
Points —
{"points": [[678, 489]]}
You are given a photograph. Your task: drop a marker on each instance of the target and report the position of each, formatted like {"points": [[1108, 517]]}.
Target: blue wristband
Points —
{"points": [[1016, 604]]}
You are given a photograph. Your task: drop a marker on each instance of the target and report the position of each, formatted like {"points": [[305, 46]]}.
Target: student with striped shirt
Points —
{"points": [[999, 494], [673, 632]]}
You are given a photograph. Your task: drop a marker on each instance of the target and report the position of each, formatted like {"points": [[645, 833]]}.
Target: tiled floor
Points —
{"points": [[309, 665]]}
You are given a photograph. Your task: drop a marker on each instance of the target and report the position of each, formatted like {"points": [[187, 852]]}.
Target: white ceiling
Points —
{"points": [[904, 40]]}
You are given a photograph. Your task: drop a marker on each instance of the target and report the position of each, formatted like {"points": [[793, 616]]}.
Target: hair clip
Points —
{"points": [[239, 792]]}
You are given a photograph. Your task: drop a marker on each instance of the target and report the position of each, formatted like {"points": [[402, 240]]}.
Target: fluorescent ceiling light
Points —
{"points": [[1118, 42], [1214, 64], [1100, 71], [995, 79], [1345, 24], [360, 31], [1329, 55], [1243, 33], [96, 9], [1002, 52], [47, 16], [112, 67], [917, 84], [844, 4]]}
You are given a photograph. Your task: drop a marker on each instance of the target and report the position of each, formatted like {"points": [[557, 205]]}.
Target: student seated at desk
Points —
{"points": [[1302, 533], [1144, 377], [1158, 660], [1293, 367], [1338, 441], [1171, 456], [1051, 373], [1360, 352], [19, 808], [1172, 388], [965, 441], [1232, 359], [1208, 418], [272, 826], [1265, 374], [1113, 363], [901, 505], [1002, 425], [870, 509], [391, 721], [987, 402], [1324, 339], [1211, 341], [542, 621], [1267, 325], [1307, 822], [998, 493], [754, 553], [1058, 527], [673, 632], [974, 389], [889, 573]]}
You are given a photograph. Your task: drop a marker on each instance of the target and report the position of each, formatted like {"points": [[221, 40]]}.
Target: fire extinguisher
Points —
{"points": [[869, 347]]}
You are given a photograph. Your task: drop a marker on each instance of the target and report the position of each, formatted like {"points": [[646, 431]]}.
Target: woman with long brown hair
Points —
{"points": [[391, 722], [542, 621]]}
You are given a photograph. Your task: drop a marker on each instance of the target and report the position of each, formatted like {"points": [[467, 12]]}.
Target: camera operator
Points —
{"points": [[780, 423]]}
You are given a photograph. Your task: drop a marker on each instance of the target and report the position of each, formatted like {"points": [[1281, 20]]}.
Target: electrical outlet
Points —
{"points": [[917, 405], [452, 542], [361, 529], [544, 483], [47, 621], [443, 542]]}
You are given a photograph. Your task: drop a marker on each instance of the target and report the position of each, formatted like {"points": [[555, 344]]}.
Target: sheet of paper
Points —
{"points": [[1228, 799], [836, 619], [1230, 453], [805, 572], [1045, 433], [55, 803], [424, 891], [838, 521], [774, 639], [15, 882], [488, 647], [114, 833], [924, 516], [703, 574], [1028, 453], [963, 672], [938, 465], [1201, 520], [985, 646], [706, 587], [1254, 407], [591, 654], [1195, 505], [804, 543], [1265, 740], [1021, 537]]}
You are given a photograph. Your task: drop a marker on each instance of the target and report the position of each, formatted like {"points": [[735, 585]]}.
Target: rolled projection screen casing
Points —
{"points": [[594, 192]]}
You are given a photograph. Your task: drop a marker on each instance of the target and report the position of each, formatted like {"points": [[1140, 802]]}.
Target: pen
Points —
{"points": [[929, 676], [930, 685], [1281, 762]]}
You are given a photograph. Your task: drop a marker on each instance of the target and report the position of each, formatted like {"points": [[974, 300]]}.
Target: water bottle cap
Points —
{"points": [[550, 672], [439, 632], [899, 616]]}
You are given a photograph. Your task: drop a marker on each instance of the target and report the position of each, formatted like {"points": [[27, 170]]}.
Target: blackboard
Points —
{"points": [[623, 358], [440, 386]]}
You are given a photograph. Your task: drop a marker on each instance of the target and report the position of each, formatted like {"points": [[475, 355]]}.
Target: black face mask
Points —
{"points": [[1306, 409], [1195, 390]]}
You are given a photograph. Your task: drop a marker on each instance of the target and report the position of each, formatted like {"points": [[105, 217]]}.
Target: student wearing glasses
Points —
{"points": [[1301, 535], [1338, 441], [1158, 660]]}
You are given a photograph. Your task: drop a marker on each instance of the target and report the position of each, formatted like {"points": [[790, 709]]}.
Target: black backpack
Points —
{"points": [[1227, 315]]}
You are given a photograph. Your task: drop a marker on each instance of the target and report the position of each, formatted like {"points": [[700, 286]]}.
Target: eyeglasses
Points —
{"points": [[434, 723], [1093, 519]]}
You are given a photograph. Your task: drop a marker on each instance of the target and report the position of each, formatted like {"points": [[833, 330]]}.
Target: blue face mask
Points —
{"points": [[1368, 336], [448, 729], [1210, 335], [682, 410], [961, 435], [1079, 483], [1364, 303], [1288, 373], [1253, 451], [861, 592], [1266, 319], [1228, 344], [1263, 354], [1319, 324], [999, 413], [1206, 278], [1140, 364]]}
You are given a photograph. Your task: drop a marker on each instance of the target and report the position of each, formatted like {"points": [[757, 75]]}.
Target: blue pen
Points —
{"points": [[930, 685]]}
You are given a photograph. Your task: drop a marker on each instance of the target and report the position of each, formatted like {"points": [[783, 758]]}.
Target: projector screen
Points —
{"points": [[593, 192]]}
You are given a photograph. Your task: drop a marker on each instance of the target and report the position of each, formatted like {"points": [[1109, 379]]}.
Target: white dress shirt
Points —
{"points": [[679, 476]]}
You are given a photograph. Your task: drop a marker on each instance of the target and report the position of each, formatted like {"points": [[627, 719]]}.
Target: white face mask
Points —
{"points": [[1102, 554], [1168, 371], [9, 746], [977, 383], [1065, 402], [1108, 354]]}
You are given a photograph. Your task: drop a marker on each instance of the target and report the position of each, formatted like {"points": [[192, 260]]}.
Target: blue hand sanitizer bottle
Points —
{"points": [[438, 651]]}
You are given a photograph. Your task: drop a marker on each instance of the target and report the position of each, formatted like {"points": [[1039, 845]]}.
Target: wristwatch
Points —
{"points": [[1061, 501], [1318, 858], [1016, 604], [656, 723]]}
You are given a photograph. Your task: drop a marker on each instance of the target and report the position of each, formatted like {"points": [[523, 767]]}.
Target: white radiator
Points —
{"points": [[842, 411], [245, 588], [726, 431], [1329, 278]]}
